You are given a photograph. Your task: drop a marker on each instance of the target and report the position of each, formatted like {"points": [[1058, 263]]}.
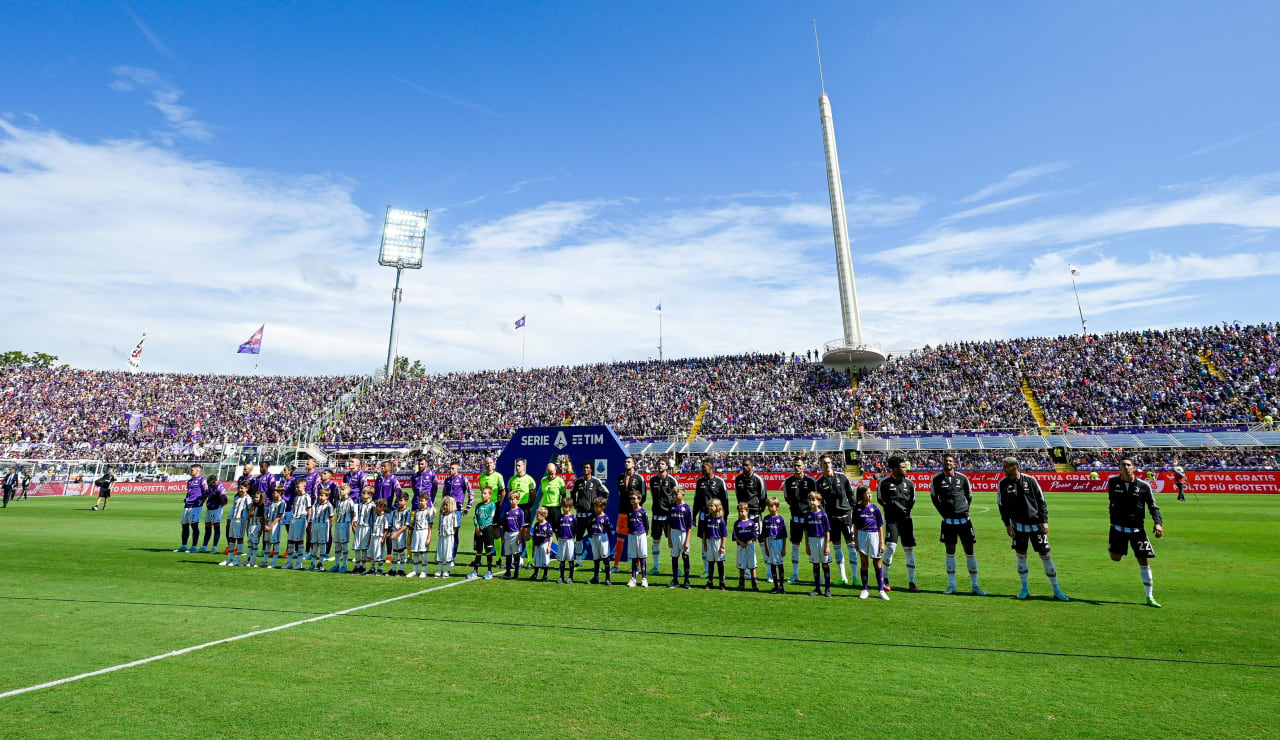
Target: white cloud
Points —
{"points": [[164, 98], [1015, 179], [999, 205], [1232, 141], [1246, 204]]}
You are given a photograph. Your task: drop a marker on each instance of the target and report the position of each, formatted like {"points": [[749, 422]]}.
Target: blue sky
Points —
{"points": [[203, 169]]}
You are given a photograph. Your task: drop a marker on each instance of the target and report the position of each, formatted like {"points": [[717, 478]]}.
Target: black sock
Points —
{"points": [[573, 567], [217, 534], [562, 570], [595, 574], [720, 568], [826, 575], [685, 558], [817, 577], [184, 534], [864, 578], [675, 569]]}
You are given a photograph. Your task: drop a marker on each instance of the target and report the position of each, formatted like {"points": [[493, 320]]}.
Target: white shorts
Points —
{"points": [[272, 537], [564, 549], [711, 550], [362, 538], [747, 556], [191, 515], [297, 530], [542, 555], [869, 543], [213, 516], [375, 548], [235, 529], [679, 538], [510, 543], [400, 542], [342, 533], [817, 550], [419, 543], [599, 546], [444, 548], [773, 551], [638, 546], [255, 532], [319, 533]]}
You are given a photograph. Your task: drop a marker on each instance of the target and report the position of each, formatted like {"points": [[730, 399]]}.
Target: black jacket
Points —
{"points": [[796, 489], [896, 498], [1021, 501], [1129, 502], [951, 495], [585, 491], [837, 494], [706, 490], [627, 484], [750, 489], [664, 494]]}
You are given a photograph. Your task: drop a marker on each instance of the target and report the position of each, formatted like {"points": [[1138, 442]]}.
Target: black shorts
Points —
{"points": [[797, 532], [581, 526], [903, 532], [842, 527], [482, 542], [963, 532], [658, 528], [554, 515], [1038, 539], [1118, 543], [104, 494]]}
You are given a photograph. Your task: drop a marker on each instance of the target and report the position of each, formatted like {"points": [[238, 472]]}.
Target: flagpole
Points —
{"points": [[659, 334], [1084, 329], [524, 336]]}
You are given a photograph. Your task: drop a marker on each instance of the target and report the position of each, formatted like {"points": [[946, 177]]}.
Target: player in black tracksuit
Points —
{"points": [[1026, 519], [709, 486], [951, 496], [585, 490], [1129, 499], [796, 489], [837, 500], [662, 487], [749, 489], [896, 495]]}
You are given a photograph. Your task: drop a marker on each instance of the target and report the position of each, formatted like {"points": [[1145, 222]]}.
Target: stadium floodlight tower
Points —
{"points": [[404, 239], [853, 350]]}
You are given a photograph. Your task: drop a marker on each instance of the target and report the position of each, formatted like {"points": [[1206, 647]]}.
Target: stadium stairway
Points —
{"points": [[1037, 411], [1203, 357], [697, 422]]}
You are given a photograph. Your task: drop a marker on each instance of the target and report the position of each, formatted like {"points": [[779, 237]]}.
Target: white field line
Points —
{"points": [[934, 515], [224, 640]]}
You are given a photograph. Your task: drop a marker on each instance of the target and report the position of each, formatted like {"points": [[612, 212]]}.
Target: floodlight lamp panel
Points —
{"points": [[404, 235]]}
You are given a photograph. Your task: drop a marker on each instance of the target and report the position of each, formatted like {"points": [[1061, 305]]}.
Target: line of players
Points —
{"points": [[312, 515]]}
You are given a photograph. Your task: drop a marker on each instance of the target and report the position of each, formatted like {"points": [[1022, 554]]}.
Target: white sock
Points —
{"points": [[657, 550], [951, 571], [972, 561], [911, 563], [1049, 571], [1022, 569], [1147, 583], [795, 561], [853, 558]]}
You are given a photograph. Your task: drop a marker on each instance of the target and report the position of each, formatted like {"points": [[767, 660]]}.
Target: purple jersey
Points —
{"points": [[744, 531], [355, 479], [331, 487], [638, 521], [197, 490], [567, 523], [868, 518], [263, 484], [542, 532], [217, 498], [514, 519], [716, 527], [681, 518], [816, 524], [775, 527], [601, 525], [386, 488], [458, 488], [313, 481], [423, 484]]}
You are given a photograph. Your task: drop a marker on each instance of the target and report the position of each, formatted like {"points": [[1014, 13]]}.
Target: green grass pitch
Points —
{"points": [[82, 591]]}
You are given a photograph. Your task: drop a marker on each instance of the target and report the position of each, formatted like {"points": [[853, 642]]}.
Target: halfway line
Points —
{"points": [[224, 640]]}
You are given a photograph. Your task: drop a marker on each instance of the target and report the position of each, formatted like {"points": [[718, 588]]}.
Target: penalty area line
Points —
{"points": [[223, 641]]}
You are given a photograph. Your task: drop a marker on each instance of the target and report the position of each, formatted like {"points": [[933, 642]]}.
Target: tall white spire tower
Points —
{"points": [[853, 350]]}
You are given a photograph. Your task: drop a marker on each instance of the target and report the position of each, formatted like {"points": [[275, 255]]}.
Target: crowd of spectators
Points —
{"points": [[65, 412], [1213, 375]]}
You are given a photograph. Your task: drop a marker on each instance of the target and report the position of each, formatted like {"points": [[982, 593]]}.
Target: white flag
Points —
{"points": [[135, 357]]}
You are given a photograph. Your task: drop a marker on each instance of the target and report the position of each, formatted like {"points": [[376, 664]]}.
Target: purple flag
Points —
{"points": [[520, 322], [254, 345]]}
